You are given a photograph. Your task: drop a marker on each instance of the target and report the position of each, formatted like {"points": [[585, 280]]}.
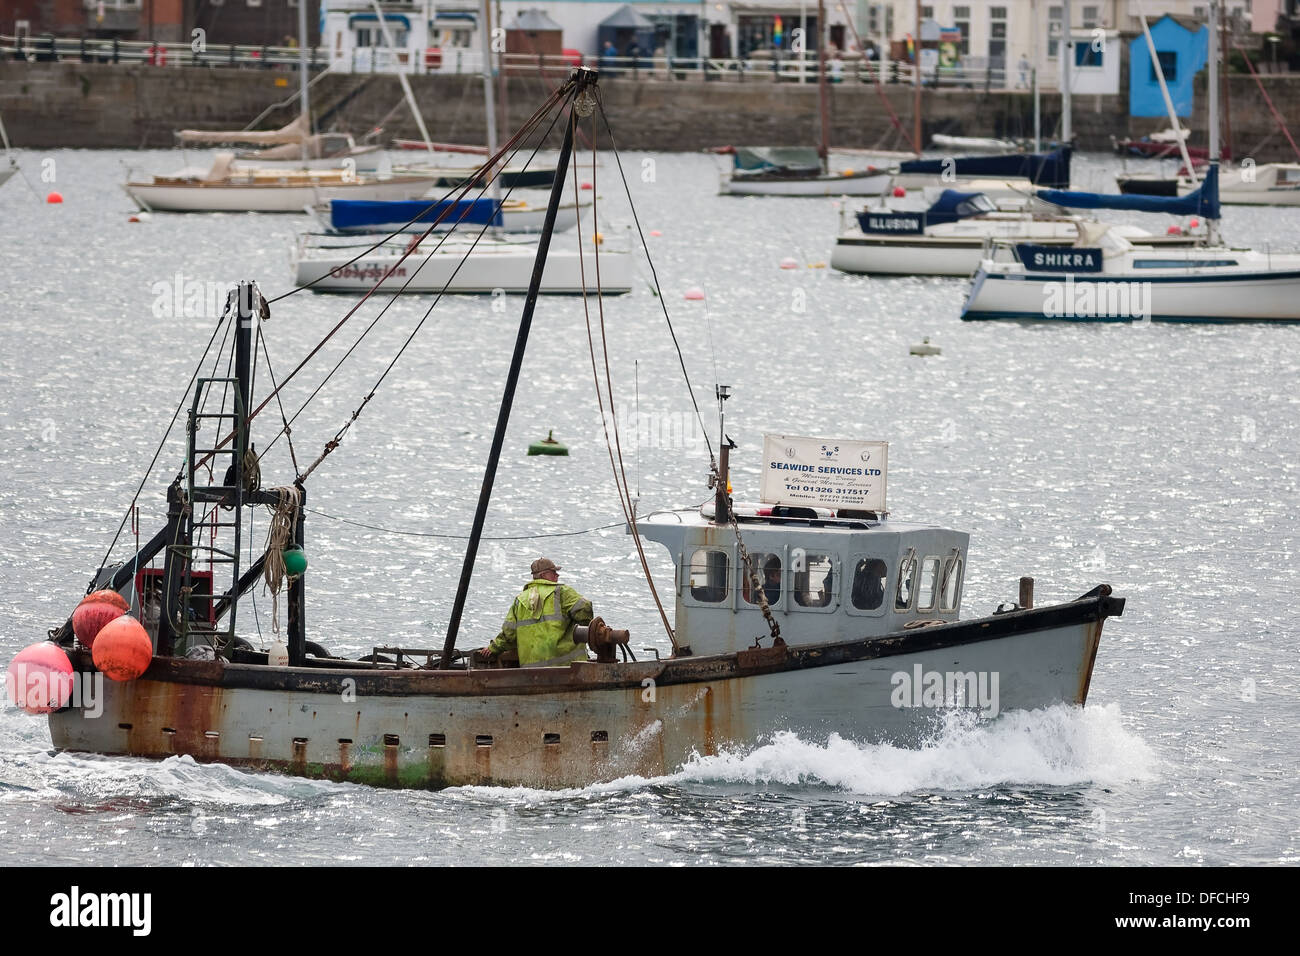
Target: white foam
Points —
{"points": [[1057, 746]]}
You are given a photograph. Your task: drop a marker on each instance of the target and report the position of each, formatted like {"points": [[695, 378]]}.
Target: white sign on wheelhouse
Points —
{"points": [[824, 472]]}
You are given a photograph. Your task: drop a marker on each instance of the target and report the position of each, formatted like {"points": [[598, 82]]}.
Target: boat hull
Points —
{"points": [[268, 197], [1240, 297], [858, 184], [485, 271], [946, 255], [588, 722]]}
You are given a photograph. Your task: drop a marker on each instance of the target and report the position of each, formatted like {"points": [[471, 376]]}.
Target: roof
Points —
{"points": [[627, 18], [533, 20]]}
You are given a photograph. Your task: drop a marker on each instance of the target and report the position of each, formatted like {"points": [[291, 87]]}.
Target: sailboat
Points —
{"points": [[10, 164], [796, 170], [1104, 278], [852, 606], [230, 185], [474, 263]]}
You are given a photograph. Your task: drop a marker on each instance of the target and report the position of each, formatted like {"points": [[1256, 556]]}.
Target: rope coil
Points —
{"points": [[279, 534]]}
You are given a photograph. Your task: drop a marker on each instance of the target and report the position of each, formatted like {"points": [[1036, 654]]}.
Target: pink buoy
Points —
{"points": [[1174, 230], [95, 610], [123, 649], [899, 192], [1195, 223], [694, 294], [39, 679], [655, 232], [789, 263]]}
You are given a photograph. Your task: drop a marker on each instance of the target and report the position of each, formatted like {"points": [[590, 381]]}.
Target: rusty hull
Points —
{"points": [[572, 726]]}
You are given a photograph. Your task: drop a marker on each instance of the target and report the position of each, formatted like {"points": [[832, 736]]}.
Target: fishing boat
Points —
{"points": [[952, 235], [853, 628]]}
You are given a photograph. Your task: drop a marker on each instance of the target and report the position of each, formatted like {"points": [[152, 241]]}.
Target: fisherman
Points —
{"points": [[541, 621]]}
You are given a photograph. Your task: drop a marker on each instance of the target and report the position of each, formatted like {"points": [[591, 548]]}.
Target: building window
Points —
{"points": [[927, 13], [768, 569], [1055, 16], [815, 586], [1168, 66], [709, 573], [869, 584], [254, 3], [1091, 16], [961, 20], [998, 37]]}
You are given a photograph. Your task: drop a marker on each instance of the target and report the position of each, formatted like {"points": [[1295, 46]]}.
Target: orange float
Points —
{"points": [[95, 610], [123, 649]]}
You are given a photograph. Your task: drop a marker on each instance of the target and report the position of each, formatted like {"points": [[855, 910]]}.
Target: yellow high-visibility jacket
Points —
{"points": [[540, 625]]}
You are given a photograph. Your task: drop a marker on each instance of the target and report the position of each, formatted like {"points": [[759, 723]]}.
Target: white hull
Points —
{"points": [[958, 251], [370, 162], [267, 197], [857, 185], [492, 266], [1106, 297], [1273, 184], [973, 144]]}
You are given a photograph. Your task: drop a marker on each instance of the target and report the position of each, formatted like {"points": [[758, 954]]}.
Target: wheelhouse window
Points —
{"points": [[767, 565], [929, 584], [815, 585], [950, 585], [906, 582], [709, 572], [868, 591]]}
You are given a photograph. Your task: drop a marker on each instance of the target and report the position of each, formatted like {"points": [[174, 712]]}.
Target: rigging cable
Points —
{"points": [[600, 105], [620, 476]]}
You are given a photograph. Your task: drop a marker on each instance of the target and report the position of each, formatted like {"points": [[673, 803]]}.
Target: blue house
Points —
{"points": [[1183, 47]]}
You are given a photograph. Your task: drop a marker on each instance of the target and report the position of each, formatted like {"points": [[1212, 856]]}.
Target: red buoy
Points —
{"points": [[39, 679], [899, 192], [123, 649], [95, 610], [54, 197]]}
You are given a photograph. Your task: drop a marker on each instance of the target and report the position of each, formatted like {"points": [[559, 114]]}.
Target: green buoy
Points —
{"points": [[295, 561], [548, 446]]}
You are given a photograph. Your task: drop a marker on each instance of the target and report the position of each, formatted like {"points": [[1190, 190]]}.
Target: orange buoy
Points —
{"points": [[54, 197], [39, 679], [694, 294], [123, 649], [899, 192], [95, 610]]}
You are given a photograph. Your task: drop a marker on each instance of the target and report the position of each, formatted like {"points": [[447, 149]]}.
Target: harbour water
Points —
{"points": [[1163, 460]]}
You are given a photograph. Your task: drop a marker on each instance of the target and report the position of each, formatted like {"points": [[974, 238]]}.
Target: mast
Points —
{"points": [[1227, 100], [1038, 101], [1164, 91], [401, 78], [916, 95], [489, 105], [1067, 61], [1213, 81], [302, 77], [824, 149], [581, 80]]}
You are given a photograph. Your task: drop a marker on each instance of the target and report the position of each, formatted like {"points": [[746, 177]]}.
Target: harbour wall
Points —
{"points": [[94, 105]]}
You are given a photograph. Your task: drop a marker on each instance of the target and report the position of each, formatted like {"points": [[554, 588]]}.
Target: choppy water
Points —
{"points": [[1160, 459]]}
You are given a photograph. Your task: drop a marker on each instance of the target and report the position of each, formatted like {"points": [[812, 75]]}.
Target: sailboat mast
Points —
{"points": [[401, 78], [916, 95], [1067, 62], [302, 80], [583, 78], [1213, 81], [489, 104], [824, 150], [1038, 100]]}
